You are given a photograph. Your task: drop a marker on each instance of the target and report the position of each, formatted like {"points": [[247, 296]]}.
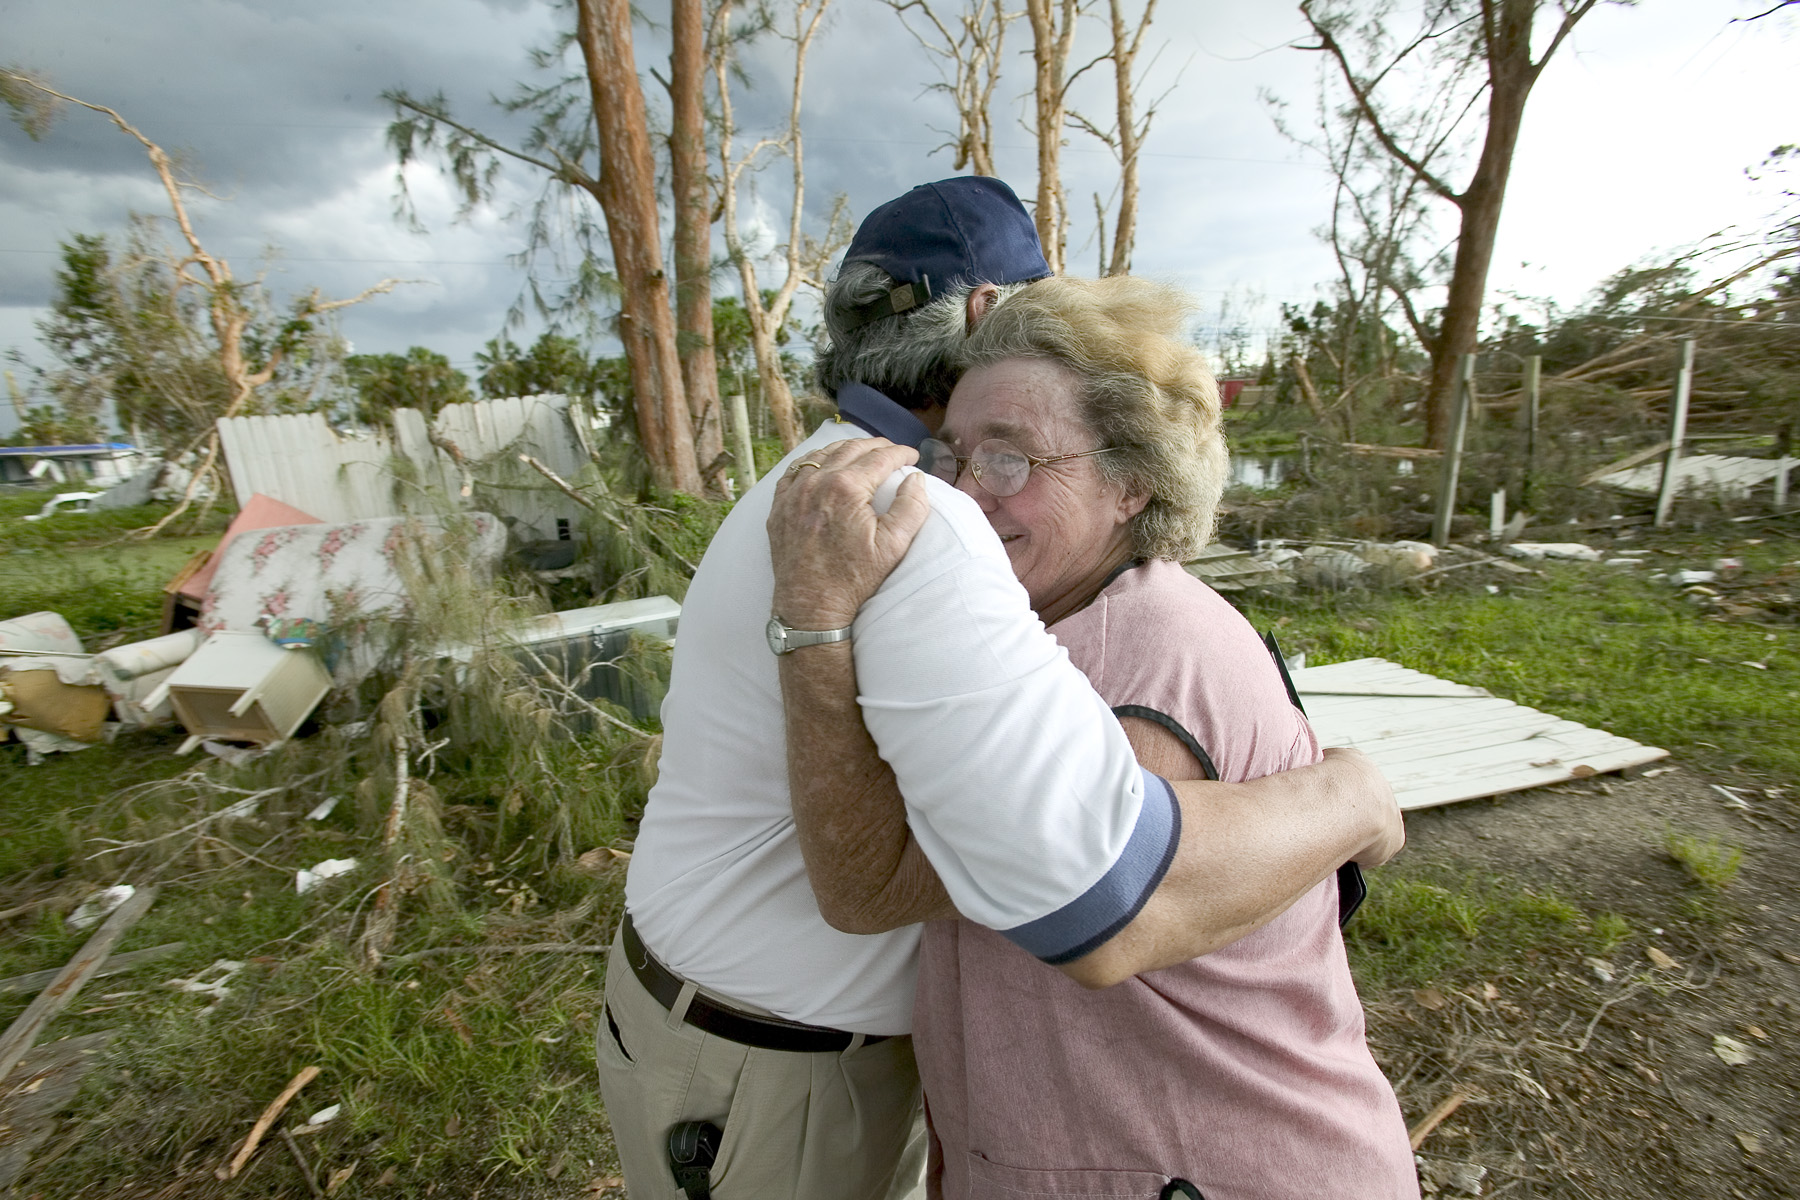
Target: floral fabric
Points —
{"points": [[344, 577]]}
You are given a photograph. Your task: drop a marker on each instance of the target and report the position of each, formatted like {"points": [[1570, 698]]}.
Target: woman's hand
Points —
{"points": [[831, 550]]}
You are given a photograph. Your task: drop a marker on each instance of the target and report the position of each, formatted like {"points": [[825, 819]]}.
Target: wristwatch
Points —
{"points": [[784, 638]]}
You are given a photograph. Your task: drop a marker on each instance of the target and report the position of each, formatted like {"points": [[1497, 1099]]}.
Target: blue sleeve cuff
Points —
{"points": [[1092, 918]]}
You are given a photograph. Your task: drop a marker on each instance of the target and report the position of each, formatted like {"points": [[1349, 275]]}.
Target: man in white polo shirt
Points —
{"points": [[749, 1049]]}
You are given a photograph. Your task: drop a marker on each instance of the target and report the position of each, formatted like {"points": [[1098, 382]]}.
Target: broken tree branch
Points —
{"points": [[306, 1076], [528, 948], [1437, 1116]]}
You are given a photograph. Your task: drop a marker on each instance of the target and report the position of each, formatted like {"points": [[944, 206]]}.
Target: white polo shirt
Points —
{"points": [[1020, 785]]}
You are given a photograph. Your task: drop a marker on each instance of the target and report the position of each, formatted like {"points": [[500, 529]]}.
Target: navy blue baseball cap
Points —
{"points": [[965, 230]]}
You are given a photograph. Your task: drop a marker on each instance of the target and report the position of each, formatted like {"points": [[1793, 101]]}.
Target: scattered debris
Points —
{"points": [[1661, 959], [116, 964], [321, 1118], [1603, 970], [73, 501], [305, 880], [1750, 1142], [1732, 799], [1436, 1175], [306, 1076], [221, 972], [100, 904], [44, 1083], [1573, 551], [1701, 475], [323, 809], [1439, 742], [1277, 563], [1732, 1052], [1437, 1116]]}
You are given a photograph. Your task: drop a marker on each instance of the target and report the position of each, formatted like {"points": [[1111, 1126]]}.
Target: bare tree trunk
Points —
{"points": [[627, 194], [1052, 37], [1130, 134], [1503, 46], [693, 239], [801, 252], [1308, 391], [1511, 73]]}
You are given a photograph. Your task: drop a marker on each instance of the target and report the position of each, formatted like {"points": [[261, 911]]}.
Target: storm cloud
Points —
{"points": [[1636, 140]]}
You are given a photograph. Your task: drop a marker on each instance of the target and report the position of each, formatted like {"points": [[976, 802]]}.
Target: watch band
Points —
{"points": [[785, 639]]}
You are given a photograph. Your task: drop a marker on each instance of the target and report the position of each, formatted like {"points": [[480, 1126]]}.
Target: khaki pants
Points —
{"points": [[846, 1126]]}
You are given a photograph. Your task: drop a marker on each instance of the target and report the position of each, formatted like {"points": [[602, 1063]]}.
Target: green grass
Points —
{"points": [[448, 1067], [1430, 925], [75, 528], [82, 566], [1606, 649], [1710, 862]]}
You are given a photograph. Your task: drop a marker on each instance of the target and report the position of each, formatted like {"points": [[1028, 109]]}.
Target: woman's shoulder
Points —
{"points": [[1164, 590], [1158, 613]]}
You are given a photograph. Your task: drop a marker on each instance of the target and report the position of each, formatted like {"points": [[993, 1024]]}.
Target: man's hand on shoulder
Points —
{"points": [[829, 547]]}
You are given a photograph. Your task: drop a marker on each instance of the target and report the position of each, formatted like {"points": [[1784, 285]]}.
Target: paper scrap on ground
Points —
{"points": [[306, 880], [100, 905]]}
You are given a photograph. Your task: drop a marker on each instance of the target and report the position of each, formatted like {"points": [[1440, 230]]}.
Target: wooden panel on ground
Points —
{"points": [[1230, 570], [16, 1042], [1439, 742], [43, 1084], [116, 964], [1703, 475]]}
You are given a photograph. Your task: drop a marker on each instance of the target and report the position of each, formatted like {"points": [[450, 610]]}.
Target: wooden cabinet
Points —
{"points": [[242, 687]]}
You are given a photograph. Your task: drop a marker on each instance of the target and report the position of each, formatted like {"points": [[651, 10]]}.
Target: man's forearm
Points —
{"points": [[1248, 851], [867, 872]]}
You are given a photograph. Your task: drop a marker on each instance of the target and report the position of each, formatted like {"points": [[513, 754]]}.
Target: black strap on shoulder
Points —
{"points": [[1173, 726], [1353, 889], [1287, 681]]}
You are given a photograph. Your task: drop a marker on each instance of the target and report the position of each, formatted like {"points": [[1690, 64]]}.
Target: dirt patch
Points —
{"points": [[1608, 1077]]}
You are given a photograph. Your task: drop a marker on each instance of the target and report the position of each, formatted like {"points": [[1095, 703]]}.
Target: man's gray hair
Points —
{"points": [[909, 357]]}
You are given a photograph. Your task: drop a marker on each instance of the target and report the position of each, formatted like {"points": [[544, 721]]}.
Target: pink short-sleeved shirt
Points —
{"points": [[1245, 1071]]}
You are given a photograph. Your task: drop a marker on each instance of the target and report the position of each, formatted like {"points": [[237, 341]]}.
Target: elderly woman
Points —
{"points": [[1089, 434]]}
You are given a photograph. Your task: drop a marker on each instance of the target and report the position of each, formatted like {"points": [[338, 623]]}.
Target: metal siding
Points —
{"points": [[299, 460]]}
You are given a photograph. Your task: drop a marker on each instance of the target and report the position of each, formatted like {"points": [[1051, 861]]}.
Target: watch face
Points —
{"points": [[776, 632]]}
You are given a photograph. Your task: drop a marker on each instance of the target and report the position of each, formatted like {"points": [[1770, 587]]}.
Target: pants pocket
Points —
{"points": [[612, 1031]]}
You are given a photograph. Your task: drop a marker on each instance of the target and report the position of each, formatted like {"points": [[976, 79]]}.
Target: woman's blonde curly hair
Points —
{"points": [[1145, 390]]}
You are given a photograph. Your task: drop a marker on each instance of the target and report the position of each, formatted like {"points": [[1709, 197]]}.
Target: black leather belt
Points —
{"points": [[746, 1029]]}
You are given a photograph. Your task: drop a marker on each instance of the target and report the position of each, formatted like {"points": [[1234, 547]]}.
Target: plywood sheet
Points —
{"points": [[1439, 742], [1702, 475]]}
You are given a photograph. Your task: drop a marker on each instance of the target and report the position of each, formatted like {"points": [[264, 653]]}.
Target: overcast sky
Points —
{"points": [[1635, 142]]}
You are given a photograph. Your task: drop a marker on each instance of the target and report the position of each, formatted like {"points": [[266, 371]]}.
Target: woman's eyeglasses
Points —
{"points": [[1001, 468]]}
